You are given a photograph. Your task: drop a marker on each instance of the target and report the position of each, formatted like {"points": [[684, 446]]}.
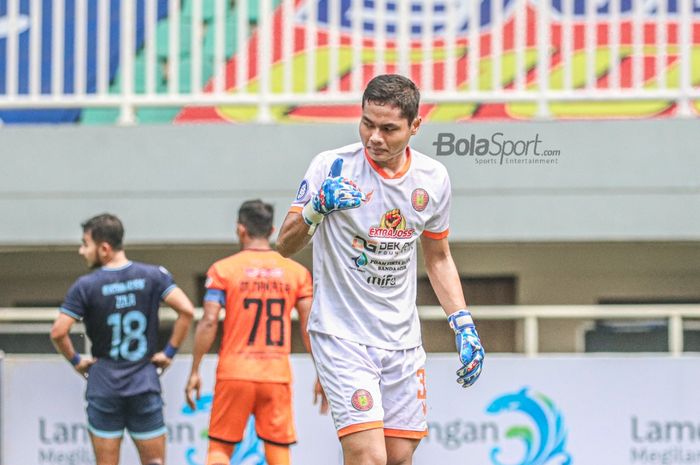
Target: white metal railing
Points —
{"points": [[36, 320], [154, 53]]}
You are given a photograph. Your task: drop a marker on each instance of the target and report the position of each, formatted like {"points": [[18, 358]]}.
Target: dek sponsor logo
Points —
{"points": [[381, 248], [544, 441], [497, 149]]}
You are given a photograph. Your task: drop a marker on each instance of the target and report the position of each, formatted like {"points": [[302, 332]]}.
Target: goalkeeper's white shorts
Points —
{"points": [[368, 387]]}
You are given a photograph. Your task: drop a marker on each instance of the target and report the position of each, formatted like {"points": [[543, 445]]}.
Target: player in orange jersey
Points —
{"points": [[258, 287]]}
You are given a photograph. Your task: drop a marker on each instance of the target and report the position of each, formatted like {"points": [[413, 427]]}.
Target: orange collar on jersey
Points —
{"points": [[383, 173]]}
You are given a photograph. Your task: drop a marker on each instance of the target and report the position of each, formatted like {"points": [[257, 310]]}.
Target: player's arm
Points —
{"points": [[203, 339], [335, 193], [178, 301], [303, 307], [293, 235], [443, 274], [445, 281], [61, 340]]}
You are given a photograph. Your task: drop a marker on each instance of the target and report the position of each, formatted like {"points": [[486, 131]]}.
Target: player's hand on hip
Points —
{"points": [[194, 386], [336, 193], [469, 348], [161, 361], [83, 367], [320, 397]]}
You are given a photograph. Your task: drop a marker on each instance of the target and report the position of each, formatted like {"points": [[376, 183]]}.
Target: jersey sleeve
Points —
{"points": [[315, 174], [74, 304], [215, 287], [438, 226], [166, 283]]}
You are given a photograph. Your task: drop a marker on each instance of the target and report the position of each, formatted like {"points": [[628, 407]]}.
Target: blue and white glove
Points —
{"points": [[471, 353], [336, 193]]}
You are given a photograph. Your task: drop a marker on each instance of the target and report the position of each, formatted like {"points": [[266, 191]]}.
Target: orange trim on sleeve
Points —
{"points": [[295, 209], [436, 236], [402, 433], [357, 427]]}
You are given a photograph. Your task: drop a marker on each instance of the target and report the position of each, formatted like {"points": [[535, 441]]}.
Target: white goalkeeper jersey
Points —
{"points": [[364, 259]]}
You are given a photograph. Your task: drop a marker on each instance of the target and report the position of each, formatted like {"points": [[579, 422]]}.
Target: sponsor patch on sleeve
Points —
{"points": [[303, 190]]}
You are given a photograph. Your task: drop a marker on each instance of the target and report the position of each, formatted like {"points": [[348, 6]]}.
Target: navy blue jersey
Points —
{"points": [[119, 307]]}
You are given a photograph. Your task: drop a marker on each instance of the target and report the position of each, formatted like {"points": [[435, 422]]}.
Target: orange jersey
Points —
{"points": [[261, 289]]}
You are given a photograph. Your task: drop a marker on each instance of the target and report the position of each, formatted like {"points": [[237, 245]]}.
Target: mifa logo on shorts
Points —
{"points": [[362, 400], [546, 444], [392, 225]]}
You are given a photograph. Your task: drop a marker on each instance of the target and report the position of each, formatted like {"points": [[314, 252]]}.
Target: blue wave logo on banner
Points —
{"points": [[250, 451], [543, 444]]}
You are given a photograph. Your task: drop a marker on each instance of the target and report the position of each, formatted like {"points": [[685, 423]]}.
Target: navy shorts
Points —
{"points": [[141, 414]]}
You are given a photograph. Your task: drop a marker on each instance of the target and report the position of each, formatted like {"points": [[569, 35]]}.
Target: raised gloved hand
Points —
{"points": [[336, 193], [471, 353]]}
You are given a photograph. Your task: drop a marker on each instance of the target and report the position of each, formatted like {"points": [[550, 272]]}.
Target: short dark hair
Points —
{"points": [[256, 216], [395, 90], [105, 228]]}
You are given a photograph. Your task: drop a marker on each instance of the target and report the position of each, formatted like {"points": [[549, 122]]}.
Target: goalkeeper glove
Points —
{"points": [[471, 353], [336, 193]]}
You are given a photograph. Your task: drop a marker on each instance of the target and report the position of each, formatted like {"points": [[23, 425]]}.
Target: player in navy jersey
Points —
{"points": [[118, 302]]}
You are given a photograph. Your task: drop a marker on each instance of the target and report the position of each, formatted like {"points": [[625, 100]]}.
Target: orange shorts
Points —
{"points": [[236, 400]]}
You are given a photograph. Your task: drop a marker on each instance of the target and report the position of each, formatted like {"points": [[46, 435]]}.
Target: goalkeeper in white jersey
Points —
{"points": [[366, 205]]}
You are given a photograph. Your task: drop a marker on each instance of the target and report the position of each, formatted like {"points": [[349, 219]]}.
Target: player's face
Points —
{"points": [[89, 251], [385, 133]]}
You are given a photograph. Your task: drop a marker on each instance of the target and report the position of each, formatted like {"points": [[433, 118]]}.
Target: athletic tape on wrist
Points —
{"points": [[311, 217], [459, 319]]}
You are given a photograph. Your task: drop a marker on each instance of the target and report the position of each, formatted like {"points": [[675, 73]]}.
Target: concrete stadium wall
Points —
{"points": [[545, 273], [592, 181], [606, 211]]}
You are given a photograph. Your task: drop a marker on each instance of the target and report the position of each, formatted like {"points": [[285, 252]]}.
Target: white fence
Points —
{"points": [[529, 317], [131, 54]]}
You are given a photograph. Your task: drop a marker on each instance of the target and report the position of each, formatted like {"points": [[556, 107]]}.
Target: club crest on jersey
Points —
{"points": [[362, 400], [392, 225], [419, 199], [303, 190]]}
